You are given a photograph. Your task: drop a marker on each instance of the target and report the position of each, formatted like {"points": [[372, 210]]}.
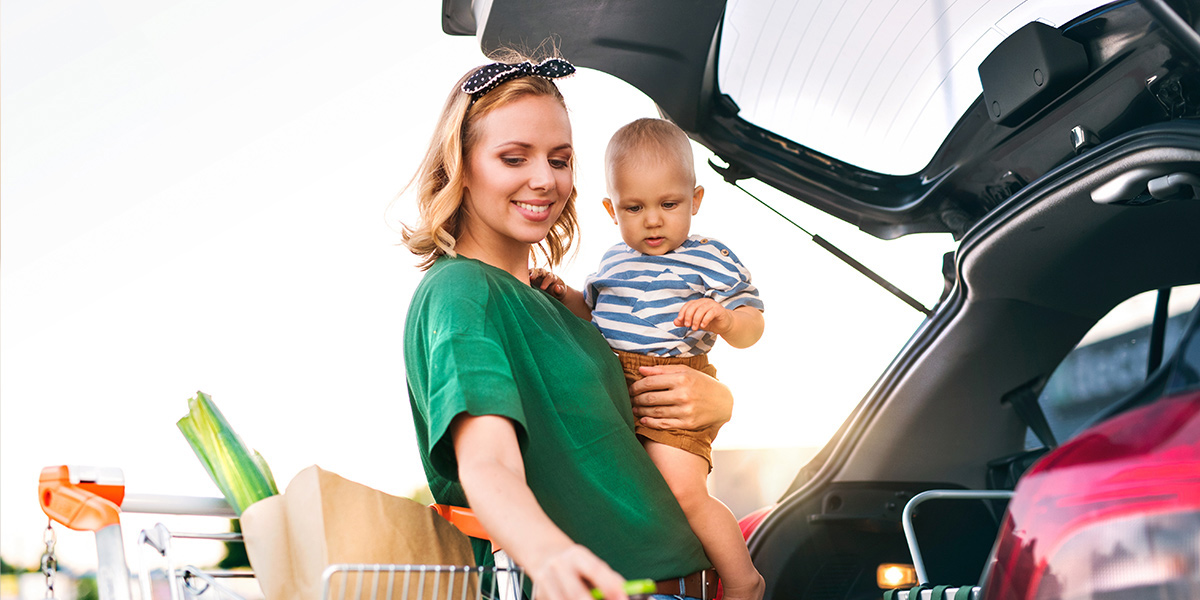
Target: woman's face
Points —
{"points": [[518, 178]]}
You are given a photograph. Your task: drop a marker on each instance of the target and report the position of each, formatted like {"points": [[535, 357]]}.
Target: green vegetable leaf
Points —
{"points": [[240, 473]]}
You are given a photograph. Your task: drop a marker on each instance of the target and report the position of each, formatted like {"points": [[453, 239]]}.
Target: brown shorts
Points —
{"points": [[696, 441]]}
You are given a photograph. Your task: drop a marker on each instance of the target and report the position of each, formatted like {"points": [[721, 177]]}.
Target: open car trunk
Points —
{"points": [[1033, 278]]}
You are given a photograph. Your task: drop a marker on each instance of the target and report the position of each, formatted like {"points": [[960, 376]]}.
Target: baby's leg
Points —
{"points": [[710, 519]]}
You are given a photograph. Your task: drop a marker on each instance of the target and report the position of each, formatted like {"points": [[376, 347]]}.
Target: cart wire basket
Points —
{"points": [[421, 582]]}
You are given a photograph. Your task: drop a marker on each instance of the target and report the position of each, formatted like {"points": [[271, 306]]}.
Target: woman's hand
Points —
{"points": [[570, 573], [679, 397]]}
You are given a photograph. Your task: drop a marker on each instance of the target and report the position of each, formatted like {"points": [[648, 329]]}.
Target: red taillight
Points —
{"points": [[1101, 513], [750, 522], [1155, 556]]}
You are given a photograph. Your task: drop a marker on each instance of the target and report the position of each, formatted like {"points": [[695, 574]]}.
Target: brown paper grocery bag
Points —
{"points": [[323, 519]]}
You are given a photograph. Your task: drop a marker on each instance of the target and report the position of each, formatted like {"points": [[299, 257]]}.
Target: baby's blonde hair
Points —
{"points": [[439, 180], [648, 139]]}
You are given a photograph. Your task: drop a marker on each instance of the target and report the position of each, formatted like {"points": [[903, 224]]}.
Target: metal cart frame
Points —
{"points": [[93, 499]]}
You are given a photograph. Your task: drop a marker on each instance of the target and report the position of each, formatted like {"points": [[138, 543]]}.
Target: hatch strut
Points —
{"points": [[1158, 331], [1024, 400], [1170, 20], [727, 173]]}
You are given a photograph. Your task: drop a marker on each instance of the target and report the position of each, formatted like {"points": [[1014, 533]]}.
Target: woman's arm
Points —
{"points": [[679, 397], [493, 477]]}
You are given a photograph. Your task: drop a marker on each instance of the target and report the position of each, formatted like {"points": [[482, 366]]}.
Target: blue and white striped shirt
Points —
{"points": [[635, 297]]}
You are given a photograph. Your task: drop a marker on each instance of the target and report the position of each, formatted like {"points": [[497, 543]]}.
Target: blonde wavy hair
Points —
{"points": [[439, 180]]}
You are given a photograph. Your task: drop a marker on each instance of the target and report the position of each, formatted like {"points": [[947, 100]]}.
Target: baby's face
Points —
{"points": [[653, 203]]}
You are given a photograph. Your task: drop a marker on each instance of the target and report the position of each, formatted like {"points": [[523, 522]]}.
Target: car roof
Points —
{"points": [[674, 51]]}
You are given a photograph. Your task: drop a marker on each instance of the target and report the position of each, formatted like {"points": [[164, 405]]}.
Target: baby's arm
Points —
{"points": [[570, 297], [740, 327]]}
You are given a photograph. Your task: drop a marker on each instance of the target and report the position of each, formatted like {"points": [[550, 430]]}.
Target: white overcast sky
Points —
{"points": [[196, 196]]}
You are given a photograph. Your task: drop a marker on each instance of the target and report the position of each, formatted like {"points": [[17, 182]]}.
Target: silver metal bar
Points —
{"points": [[192, 575], [375, 584], [112, 574], [177, 505], [224, 536], [229, 574], [906, 518], [508, 578], [158, 539]]}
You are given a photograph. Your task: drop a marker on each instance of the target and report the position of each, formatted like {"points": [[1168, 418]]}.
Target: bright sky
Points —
{"points": [[196, 197]]}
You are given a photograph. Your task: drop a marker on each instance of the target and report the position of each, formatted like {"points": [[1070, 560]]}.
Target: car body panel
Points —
{"points": [[668, 49]]}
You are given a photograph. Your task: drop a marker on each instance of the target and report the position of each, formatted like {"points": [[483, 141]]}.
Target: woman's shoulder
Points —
{"points": [[454, 295], [453, 267], [463, 271], [455, 277]]}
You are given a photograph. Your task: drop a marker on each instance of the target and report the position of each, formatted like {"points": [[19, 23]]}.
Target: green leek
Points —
{"points": [[633, 587], [239, 472]]}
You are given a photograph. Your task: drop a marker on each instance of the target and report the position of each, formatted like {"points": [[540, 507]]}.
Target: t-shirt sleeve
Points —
{"points": [[590, 290], [735, 290], [594, 284], [469, 371]]}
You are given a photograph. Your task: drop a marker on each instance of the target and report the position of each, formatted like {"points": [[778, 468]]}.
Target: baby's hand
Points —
{"points": [[705, 314], [545, 280]]}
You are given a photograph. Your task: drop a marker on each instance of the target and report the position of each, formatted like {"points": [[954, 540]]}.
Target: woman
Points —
{"points": [[520, 407]]}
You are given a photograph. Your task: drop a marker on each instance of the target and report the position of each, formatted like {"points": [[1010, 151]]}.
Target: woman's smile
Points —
{"points": [[534, 211]]}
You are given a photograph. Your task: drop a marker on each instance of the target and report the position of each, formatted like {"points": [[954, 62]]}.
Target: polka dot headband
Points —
{"points": [[488, 77]]}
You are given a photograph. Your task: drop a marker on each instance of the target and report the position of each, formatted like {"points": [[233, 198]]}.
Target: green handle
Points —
{"points": [[633, 587]]}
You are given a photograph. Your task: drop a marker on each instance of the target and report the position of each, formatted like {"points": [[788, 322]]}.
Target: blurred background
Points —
{"points": [[207, 196]]}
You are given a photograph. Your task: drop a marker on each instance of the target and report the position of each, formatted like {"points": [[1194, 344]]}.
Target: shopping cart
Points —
{"points": [[93, 499]]}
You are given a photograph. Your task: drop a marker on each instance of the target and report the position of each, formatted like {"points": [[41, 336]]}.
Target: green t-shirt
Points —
{"points": [[479, 341]]}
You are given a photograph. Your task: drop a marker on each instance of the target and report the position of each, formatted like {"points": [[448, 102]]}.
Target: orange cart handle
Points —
{"points": [[464, 519], [81, 498]]}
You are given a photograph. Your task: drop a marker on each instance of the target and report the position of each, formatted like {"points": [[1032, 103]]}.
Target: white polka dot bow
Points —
{"points": [[490, 76]]}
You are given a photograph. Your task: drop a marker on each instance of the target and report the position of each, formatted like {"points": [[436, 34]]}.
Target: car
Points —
{"points": [[1059, 368]]}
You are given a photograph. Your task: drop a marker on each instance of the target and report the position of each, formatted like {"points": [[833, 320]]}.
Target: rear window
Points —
{"points": [[877, 84], [1109, 362]]}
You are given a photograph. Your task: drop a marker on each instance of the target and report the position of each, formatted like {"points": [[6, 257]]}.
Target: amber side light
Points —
{"points": [[895, 575]]}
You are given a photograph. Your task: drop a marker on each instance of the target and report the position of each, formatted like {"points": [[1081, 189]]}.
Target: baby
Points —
{"points": [[661, 298]]}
